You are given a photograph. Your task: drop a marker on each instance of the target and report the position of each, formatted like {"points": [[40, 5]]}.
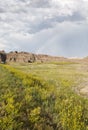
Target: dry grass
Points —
{"points": [[68, 73]]}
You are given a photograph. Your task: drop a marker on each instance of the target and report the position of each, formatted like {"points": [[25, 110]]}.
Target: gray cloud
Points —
{"points": [[39, 3]]}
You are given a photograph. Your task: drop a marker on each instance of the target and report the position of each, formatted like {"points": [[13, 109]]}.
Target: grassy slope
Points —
{"points": [[67, 110], [75, 74]]}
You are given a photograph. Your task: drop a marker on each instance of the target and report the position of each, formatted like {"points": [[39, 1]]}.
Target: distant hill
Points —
{"points": [[30, 57]]}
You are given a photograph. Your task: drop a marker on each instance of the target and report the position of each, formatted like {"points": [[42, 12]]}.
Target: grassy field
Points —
{"points": [[44, 96], [67, 73]]}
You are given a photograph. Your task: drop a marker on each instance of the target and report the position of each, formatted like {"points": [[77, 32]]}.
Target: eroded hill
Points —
{"points": [[25, 57]]}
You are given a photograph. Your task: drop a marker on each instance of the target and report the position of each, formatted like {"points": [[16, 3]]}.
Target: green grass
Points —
{"points": [[45, 96], [75, 74]]}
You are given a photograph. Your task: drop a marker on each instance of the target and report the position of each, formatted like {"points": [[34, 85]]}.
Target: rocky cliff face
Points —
{"points": [[20, 57], [30, 57]]}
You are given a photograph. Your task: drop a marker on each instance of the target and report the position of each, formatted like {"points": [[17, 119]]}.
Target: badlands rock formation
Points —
{"points": [[29, 57]]}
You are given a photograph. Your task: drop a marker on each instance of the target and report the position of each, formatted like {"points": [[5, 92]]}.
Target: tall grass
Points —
{"points": [[27, 102]]}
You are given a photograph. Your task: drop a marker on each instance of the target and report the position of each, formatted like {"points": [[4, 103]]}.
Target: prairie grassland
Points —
{"points": [[67, 73], [44, 96]]}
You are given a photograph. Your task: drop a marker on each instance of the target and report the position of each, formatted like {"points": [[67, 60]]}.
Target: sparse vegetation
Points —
{"points": [[43, 97]]}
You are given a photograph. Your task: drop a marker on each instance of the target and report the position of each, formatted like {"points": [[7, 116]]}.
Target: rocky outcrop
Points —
{"points": [[47, 58], [20, 57], [30, 57], [25, 57]]}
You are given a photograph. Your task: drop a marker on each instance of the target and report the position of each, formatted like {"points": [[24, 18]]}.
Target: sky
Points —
{"points": [[54, 27]]}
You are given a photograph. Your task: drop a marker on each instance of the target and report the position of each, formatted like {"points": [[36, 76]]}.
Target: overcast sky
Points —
{"points": [[55, 27]]}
